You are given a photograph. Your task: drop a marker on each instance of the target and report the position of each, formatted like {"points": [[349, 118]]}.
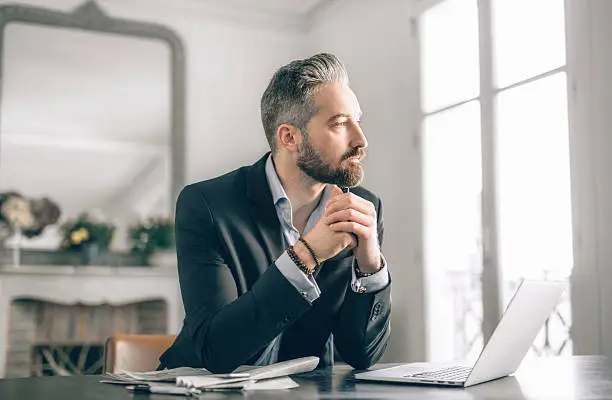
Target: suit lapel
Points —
{"points": [[262, 210]]}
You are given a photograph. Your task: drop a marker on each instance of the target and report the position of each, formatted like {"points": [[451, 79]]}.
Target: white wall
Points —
{"points": [[376, 45], [590, 58], [601, 101], [229, 62], [228, 70]]}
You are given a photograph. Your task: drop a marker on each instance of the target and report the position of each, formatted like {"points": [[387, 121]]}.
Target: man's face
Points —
{"points": [[332, 148]]}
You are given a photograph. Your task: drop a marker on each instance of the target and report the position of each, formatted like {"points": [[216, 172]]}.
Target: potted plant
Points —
{"points": [[153, 238], [88, 234]]}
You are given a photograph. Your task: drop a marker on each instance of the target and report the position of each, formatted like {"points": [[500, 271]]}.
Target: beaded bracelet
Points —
{"points": [[300, 264], [312, 253], [360, 274]]}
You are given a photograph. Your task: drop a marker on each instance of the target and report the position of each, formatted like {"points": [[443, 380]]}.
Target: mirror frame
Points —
{"points": [[90, 17]]}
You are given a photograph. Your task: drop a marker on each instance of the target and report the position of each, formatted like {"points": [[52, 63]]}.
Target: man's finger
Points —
{"points": [[352, 198], [349, 214], [354, 242], [351, 227], [362, 206]]}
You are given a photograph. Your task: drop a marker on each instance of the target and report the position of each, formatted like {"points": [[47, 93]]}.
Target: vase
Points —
{"points": [[89, 253], [17, 248], [5, 234]]}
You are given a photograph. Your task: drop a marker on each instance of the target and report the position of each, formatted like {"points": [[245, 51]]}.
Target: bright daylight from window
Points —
{"points": [[531, 153]]}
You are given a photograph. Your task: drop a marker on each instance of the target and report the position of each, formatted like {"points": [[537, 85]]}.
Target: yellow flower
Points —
{"points": [[80, 235]]}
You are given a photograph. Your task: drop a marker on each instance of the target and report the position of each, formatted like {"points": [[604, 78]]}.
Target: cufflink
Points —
{"points": [[357, 287]]}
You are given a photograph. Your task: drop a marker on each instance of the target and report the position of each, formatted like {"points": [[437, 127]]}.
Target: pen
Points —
{"points": [[158, 389], [222, 389]]}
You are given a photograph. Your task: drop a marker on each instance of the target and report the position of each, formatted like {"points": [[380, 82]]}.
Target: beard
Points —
{"points": [[311, 162]]}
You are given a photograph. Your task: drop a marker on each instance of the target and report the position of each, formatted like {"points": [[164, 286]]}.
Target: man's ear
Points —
{"points": [[288, 137]]}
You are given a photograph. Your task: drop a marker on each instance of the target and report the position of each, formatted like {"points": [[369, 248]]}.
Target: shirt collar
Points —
{"points": [[277, 190]]}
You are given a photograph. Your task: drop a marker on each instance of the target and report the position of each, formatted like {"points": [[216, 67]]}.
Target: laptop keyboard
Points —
{"points": [[445, 374]]}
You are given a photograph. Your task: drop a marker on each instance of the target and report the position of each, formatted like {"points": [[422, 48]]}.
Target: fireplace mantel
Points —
{"points": [[91, 285]]}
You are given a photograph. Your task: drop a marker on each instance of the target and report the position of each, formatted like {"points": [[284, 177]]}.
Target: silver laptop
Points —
{"points": [[531, 304]]}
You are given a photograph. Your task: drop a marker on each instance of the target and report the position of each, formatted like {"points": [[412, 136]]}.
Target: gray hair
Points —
{"points": [[289, 97]]}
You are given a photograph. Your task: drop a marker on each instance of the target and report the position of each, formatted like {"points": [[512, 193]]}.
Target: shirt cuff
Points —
{"points": [[372, 283], [305, 284]]}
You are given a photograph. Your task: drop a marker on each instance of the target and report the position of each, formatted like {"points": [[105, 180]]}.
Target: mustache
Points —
{"points": [[357, 151]]}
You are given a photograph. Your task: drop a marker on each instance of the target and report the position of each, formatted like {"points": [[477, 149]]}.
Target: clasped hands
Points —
{"points": [[346, 216]]}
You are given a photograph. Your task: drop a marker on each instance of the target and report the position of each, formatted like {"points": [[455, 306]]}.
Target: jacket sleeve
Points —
{"points": [[362, 330], [224, 329]]}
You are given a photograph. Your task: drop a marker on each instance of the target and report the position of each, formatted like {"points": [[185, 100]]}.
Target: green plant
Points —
{"points": [[84, 230], [152, 234]]}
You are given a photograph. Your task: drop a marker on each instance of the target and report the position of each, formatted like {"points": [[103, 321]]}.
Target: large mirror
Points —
{"points": [[91, 118]]}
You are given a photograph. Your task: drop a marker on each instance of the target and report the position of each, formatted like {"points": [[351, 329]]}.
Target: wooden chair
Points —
{"points": [[135, 352]]}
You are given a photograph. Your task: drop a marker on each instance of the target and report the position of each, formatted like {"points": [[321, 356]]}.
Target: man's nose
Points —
{"points": [[358, 138]]}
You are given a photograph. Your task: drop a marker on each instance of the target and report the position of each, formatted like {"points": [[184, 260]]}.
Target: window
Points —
{"points": [[494, 100]]}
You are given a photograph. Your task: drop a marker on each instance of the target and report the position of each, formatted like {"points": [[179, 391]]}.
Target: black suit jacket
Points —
{"points": [[236, 301]]}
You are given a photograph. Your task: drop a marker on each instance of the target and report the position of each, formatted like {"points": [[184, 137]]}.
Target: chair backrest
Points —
{"points": [[135, 352]]}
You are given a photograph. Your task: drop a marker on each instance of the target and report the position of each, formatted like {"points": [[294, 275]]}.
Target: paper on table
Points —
{"points": [[284, 368], [208, 381], [166, 375], [283, 383], [276, 370], [272, 384]]}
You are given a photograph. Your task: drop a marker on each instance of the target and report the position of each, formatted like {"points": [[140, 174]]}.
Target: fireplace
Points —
{"points": [[54, 320], [46, 338]]}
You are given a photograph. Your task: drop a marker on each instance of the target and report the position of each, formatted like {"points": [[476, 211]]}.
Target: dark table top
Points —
{"points": [[588, 377]]}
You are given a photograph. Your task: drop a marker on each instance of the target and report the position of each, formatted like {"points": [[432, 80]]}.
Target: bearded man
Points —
{"points": [[279, 260]]}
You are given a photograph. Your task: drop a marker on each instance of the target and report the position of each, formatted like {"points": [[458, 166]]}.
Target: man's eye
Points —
{"points": [[341, 123]]}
